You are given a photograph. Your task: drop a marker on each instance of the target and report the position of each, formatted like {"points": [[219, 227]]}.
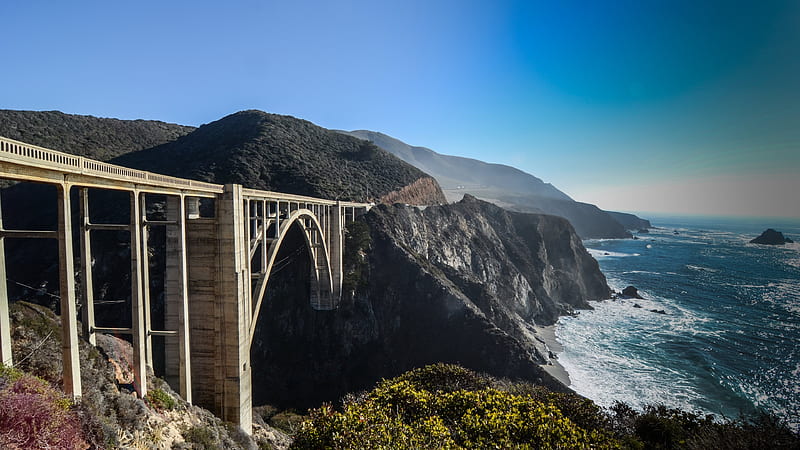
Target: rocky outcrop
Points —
{"points": [[424, 191], [771, 237], [461, 283], [631, 292]]}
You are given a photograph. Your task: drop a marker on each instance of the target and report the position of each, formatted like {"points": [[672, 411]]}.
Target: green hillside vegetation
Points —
{"points": [[447, 406], [280, 153], [89, 136]]}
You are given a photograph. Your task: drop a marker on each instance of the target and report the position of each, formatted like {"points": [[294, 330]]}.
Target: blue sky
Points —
{"points": [[671, 106]]}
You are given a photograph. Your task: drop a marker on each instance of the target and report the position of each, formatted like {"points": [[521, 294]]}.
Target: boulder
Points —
{"points": [[631, 292], [771, 237]]}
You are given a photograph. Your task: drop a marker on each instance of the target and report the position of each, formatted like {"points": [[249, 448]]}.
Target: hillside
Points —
{"points": [[88, 136], [282, 153], [505, 186]]}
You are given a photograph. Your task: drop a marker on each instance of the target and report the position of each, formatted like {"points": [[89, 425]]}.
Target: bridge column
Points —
{"points": [[336, 239], [87, 293], [69, 321], [5, 324], [176, 300], [232, 292], [138, 326]]}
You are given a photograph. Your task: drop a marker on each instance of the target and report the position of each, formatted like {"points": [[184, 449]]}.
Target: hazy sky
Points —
{"points": [[633, 105]]}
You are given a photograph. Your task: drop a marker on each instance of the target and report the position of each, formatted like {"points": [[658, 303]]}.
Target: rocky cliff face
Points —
{"points": [[424, 191], [459, 283]]}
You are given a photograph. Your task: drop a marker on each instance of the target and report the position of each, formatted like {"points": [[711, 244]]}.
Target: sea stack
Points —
{"points": [[771, 237]]}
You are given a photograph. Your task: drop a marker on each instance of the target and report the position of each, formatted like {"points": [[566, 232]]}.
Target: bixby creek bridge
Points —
{"points": [[218, 267]]}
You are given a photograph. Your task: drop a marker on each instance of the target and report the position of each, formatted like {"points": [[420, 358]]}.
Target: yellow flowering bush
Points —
{"points": [[425, 409]]}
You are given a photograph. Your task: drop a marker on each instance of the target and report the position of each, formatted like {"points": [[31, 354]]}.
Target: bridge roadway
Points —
{"points": [[217, 269]]}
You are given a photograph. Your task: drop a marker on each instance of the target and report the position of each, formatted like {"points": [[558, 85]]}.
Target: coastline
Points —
{"points": [[547, 335]]}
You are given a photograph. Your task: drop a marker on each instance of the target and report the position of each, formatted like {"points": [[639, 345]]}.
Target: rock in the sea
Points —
{"points": [[631, 292], [636, 305], [644, 231], [771, 237], [658, 311]]}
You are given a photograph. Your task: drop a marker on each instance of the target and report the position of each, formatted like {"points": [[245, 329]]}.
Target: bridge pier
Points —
{"points": [[138, 323], [233, 290], [5, 323], [178, 368], [69, 321]]}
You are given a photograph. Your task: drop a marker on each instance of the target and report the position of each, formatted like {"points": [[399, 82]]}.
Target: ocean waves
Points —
{"points": [[726, 341]]}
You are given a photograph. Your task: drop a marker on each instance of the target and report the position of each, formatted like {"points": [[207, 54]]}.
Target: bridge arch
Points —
{"points": [[322, 289]]}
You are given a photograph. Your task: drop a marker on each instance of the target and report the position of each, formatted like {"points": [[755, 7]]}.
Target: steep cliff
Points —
{"points": [[460, 283]]}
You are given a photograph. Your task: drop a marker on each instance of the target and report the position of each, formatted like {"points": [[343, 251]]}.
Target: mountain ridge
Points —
{"points": [[506, 186]]}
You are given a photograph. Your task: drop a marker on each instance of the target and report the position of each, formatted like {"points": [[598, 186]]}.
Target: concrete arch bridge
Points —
{"points": [[217, 272]]}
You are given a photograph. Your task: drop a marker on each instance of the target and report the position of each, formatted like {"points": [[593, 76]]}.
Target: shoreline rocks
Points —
{"points": [[771, 237]]}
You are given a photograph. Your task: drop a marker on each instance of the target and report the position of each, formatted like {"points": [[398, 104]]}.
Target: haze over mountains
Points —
{"points": [[506, 186]]}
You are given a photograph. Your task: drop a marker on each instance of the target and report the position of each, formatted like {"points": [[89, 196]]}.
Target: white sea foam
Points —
{"points": [[606, 365], [598, 253]]}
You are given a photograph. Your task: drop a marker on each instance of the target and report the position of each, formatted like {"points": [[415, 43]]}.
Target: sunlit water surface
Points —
{"points": [[729, 342]]}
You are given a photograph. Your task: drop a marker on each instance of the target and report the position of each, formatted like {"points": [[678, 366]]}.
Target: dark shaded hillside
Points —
{"points": [[89, 136], [503, 185], [460, 283], [282, 153]]}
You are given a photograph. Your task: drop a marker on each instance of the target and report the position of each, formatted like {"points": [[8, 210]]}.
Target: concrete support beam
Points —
{"points": [[137, 300], [336, 248], [87, 291], [176, 300], [5, 324], [232, 292], [69, 321], [145, 265]]}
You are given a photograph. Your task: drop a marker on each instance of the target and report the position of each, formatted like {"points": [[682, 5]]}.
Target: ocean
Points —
{"points": [[729, 341]]}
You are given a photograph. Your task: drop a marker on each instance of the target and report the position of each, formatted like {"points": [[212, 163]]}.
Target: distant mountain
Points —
{"points": [[457, 175], [505, 186], [286, 154], [89, 136]]}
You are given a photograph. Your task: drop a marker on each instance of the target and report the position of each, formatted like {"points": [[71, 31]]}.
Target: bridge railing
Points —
{"points": [[52, 159]]}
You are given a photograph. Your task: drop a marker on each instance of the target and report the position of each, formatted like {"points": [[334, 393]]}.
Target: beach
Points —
{"points": [[547, 335]]}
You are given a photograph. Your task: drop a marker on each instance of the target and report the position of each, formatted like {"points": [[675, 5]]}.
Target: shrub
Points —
{"points": [[160, 400], [445, 406], [34, 415]]}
